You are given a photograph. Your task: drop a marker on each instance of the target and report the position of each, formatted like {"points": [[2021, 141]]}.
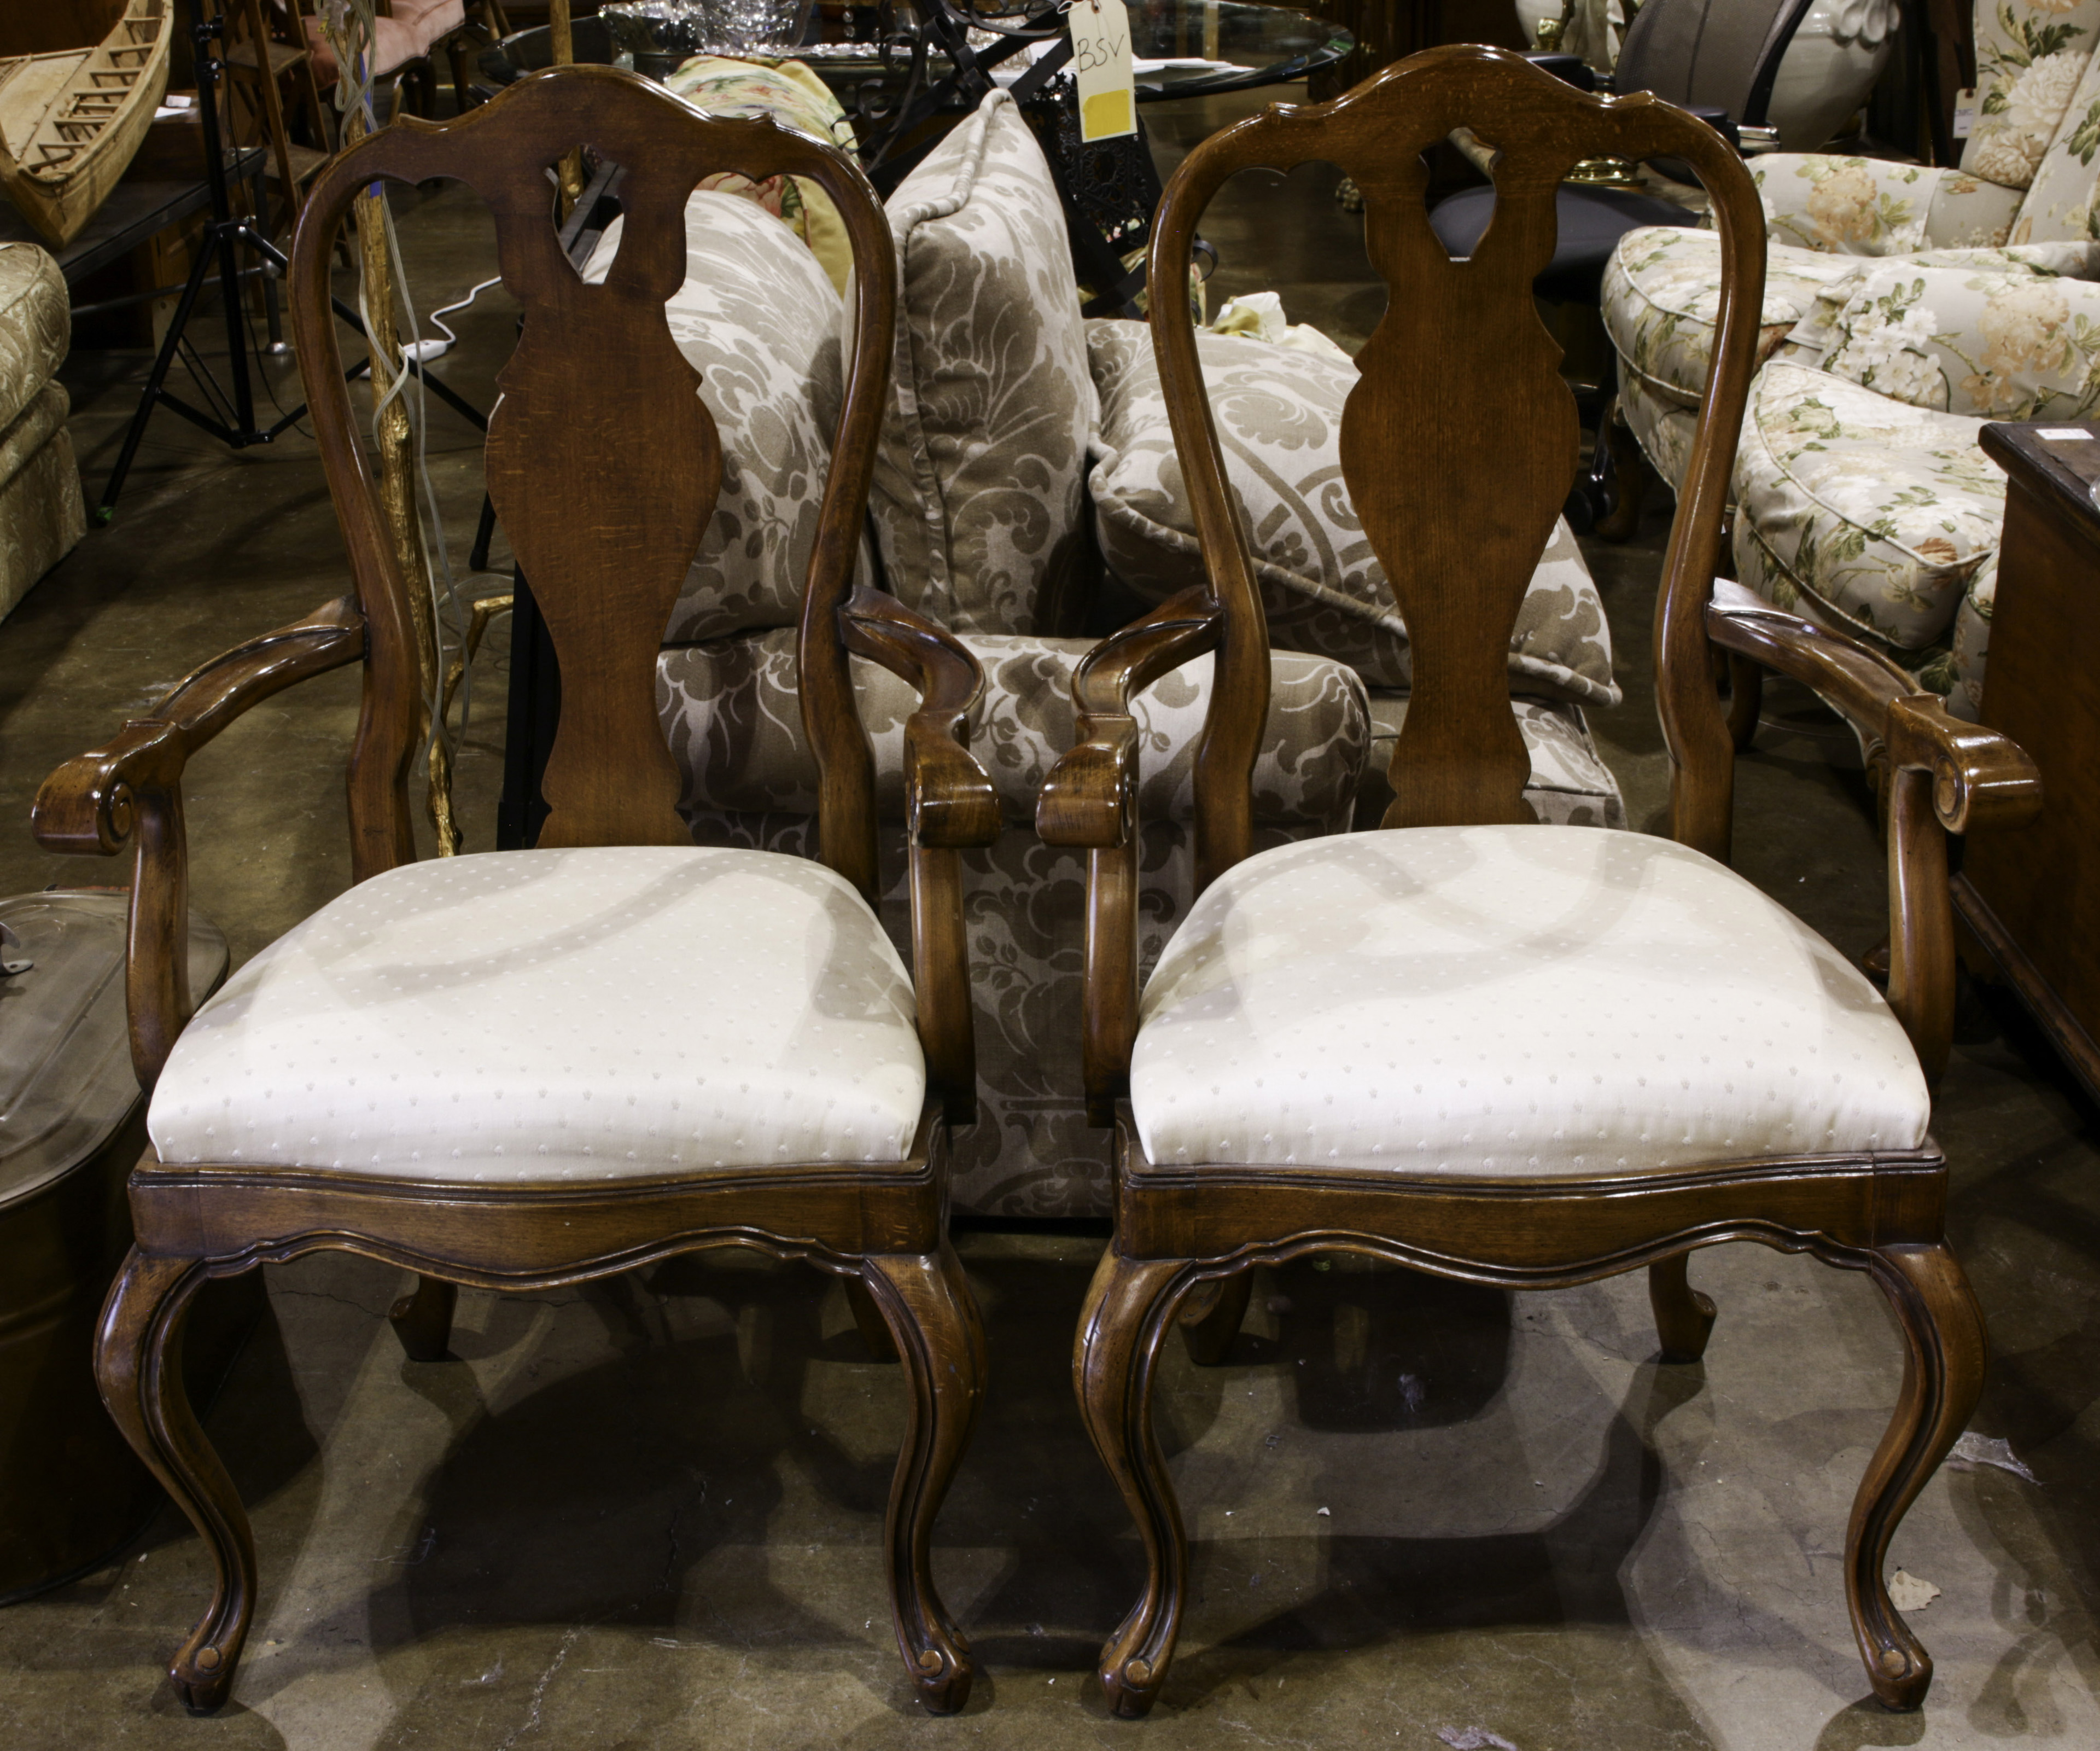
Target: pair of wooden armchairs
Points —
{"points": [[1342, 1048]]}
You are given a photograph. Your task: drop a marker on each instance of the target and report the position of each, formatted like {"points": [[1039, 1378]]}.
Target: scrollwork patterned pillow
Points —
{"points": [[758, 318], [980, 482], [1279, 419]]}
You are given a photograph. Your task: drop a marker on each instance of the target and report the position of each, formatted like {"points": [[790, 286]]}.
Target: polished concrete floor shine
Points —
{"points": [[648, 1512]]}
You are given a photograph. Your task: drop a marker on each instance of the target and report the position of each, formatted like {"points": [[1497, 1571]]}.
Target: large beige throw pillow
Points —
{"points": [[1279, 417], [980, 483], [758, 318]]}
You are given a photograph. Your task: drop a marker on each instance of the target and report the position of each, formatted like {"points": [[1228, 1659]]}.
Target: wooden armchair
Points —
{"points": [[1511, 1057], [526, 1068]]}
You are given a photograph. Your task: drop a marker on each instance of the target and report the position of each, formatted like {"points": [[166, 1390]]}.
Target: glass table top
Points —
{"points": [[1210, 44]]}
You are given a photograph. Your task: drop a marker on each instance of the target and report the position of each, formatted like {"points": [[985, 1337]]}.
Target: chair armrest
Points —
{"points": [[949, 800], [84, 807], [949, 804], [130, 792], [1089, 799], [1938, 776]]}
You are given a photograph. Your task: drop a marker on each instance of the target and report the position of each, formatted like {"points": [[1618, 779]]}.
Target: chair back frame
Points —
{"points": [[1458, 494], [603, 461], [1718, 53]]}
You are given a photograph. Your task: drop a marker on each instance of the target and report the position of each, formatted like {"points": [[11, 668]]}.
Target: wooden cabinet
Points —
{"points": [[2032, 894], [1389, 30]]}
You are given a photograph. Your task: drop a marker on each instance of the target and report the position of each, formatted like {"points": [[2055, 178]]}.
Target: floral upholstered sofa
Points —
{"points": [[1021, 450], [1904, 306], [40, 512]]}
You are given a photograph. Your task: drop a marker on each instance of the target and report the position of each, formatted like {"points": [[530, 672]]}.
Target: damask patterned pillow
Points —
{"points": [[2030, 57], [980, 483], [758, 319], [1279, 418]]}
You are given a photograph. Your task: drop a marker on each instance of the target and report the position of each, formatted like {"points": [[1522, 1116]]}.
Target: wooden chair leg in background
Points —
{"points": [[932, 1319], [868, 1317], [1683, 1317], [137, 1366], [1128, 1304], [1211, 1317], [423, 1320], [1629, 470], [1943, 1365]]}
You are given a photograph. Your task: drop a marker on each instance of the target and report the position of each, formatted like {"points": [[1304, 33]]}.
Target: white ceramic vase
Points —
{"points": [[1830, 66]]}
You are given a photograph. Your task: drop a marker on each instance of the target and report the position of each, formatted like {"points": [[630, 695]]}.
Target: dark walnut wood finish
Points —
{"points": [[2024, 894], [604, 464], [1458, 445]]}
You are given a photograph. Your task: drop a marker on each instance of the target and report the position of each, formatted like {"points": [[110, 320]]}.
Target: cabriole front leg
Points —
{"points": [[934, 1319], [1119, 1336], [138, 1370], [1943, 1376]]}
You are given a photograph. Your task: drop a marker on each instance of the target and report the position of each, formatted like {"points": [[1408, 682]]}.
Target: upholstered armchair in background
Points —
{"points": [[1903, 306]]}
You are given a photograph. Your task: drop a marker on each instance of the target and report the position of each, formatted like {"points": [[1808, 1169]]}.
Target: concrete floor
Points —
{"points": [[649, 1512]]}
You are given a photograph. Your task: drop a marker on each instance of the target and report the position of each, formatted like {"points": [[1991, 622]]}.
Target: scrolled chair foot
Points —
{"points": [[1943, 1378], [1131, 1688]]}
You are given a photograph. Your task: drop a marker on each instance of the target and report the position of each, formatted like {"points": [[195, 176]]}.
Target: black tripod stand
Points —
{"points": [[231, 419]]}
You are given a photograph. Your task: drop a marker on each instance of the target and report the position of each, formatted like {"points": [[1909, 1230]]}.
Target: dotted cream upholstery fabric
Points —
{"points": [[1506, 1002], [514, 1016]]}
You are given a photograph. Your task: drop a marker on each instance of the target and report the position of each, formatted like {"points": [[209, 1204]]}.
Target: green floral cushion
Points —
{"points": [[1870, 206], [1662, 296], [758, 318], [1878, 514], [1972, 641], [2059, 203], [2003, 345], [2030, 56], [980, 482], [1279, 417]]}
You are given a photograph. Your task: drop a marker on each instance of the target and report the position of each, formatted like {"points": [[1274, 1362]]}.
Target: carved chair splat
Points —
{"points": [[1458, 501], [605, 464]]}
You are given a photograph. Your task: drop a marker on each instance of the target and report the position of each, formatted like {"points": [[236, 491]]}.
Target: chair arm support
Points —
{"points": [[1090, 798], [1089, 801], [129, 792], [950, 805], [1941, 776], [949, 800]]}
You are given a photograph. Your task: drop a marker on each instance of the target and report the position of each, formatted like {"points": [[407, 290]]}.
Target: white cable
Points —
{"points": [[425, 351]]}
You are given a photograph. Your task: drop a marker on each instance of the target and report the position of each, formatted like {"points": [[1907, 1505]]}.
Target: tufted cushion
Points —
{"points": [[1279, 411], [2030, 56], [509, 1016], [980, 480], [1509, 1002], [35, 324], [1879, 512], [759, 321], [734, 723]]}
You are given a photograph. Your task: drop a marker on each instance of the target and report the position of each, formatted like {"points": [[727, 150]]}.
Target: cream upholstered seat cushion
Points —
{"points": [[1509, 1002], [561, 1014]]}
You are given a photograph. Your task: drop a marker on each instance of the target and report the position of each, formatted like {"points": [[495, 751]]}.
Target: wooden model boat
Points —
{"points": [[71, 118]]}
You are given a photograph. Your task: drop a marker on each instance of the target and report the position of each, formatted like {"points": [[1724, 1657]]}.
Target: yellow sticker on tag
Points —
{"points": [[1101, 62]]}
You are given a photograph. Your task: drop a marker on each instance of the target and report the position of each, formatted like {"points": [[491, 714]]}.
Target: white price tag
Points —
{"points": [[1965, 114], [1101, 62], [2063, 434]]}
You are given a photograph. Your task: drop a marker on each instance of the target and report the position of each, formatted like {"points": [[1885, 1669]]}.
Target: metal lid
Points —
{"points": [[66, 1082]]}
